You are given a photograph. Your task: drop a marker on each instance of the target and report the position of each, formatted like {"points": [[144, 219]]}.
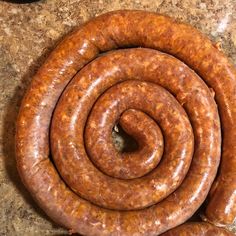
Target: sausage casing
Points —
{"points": [[189, 189]]}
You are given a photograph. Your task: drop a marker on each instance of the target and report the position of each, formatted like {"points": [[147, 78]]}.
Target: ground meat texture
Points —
{"points": [[76, 99], [199, 229], [125, 165]]}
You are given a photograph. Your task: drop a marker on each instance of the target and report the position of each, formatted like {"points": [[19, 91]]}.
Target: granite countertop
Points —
{"points": [[27, 34]]}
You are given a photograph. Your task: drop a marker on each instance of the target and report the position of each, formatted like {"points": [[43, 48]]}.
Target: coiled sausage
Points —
{"points": [[97, 199]]}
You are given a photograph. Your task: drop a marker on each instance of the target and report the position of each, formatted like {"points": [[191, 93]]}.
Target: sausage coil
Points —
{"points": [[157, 79], [200, 229]]}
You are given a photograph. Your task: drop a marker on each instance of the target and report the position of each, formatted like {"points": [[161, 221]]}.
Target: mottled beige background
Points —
{"points": [[27, 33]]}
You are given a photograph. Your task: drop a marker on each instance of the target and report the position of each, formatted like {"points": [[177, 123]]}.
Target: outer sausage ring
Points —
{"points": [[118, 30], [200, 229]]}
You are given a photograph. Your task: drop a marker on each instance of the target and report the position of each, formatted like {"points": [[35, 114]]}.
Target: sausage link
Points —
{"points": [[128, 165], [199, 229], [117, 194], [95, 94]]}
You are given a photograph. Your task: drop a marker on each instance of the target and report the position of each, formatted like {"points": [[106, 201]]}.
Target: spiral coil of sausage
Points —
{"points": [[159, 85]]}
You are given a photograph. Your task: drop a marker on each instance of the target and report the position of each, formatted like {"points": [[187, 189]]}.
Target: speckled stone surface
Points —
{"points": [[28, 32]]}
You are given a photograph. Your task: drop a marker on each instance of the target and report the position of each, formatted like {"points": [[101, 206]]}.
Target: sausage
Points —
{"points": [[117, 194], [200, 229], [128, 165], [92, 200]]}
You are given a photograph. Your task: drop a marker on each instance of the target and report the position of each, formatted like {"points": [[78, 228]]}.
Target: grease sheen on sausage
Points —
{"points": [[199, 229], [69, 153], [140, 67]]}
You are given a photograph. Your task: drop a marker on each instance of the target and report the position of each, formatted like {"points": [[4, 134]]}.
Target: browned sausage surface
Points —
{"points": [[69, 153], [158, 100], [126, 165], [199, 229]]}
